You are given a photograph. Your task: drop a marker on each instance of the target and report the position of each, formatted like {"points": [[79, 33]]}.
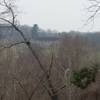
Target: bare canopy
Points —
{"points": [[93, 9]]}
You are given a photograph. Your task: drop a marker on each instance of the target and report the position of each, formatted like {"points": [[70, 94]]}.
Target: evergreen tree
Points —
{"points": [[35, 30]]}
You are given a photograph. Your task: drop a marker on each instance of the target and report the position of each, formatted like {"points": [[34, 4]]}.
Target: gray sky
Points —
{"points": [[61, 15]]}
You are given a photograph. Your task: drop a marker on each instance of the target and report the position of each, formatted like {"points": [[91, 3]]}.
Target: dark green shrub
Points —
{"points": [[85, 76]]}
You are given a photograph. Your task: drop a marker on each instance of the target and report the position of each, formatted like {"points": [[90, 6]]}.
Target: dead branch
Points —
{"points": [[94, 9], [10, 46]]}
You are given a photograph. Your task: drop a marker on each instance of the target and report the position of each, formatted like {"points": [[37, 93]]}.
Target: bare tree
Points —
{"points": [[8, 15]]}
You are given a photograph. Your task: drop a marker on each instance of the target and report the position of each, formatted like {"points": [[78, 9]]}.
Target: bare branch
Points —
{"points": [[10, 46], [37, 86], [58, 90], [10, 10], [51, 64], [50, 94], [94, 9], [95, 1], [94, 14]]}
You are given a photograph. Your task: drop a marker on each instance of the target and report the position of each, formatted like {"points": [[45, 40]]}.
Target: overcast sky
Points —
{"points": [[61, 15]]}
